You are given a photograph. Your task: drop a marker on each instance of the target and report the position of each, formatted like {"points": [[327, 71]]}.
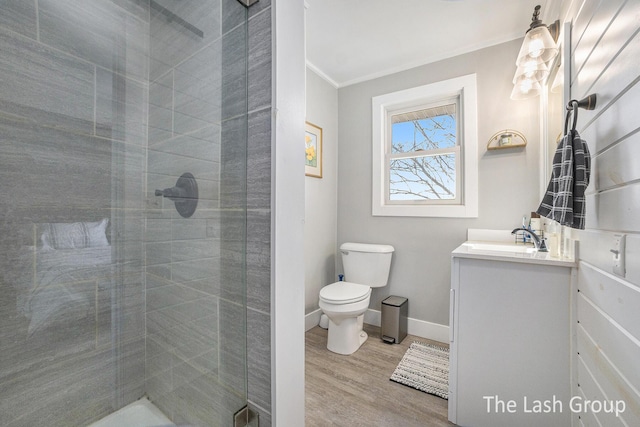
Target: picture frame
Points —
{"points": [[313, 150]]}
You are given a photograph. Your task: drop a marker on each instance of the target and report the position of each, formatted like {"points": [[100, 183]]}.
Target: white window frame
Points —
{"points": [[384, 106]]}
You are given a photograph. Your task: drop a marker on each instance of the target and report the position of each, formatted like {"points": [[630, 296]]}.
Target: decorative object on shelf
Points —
{"points": [[313, 150], [507, 138], [535, 57]]}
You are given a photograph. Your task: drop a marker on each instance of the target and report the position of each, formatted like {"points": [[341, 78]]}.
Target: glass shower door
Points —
{"points": [[195, 275], [108, 293]]}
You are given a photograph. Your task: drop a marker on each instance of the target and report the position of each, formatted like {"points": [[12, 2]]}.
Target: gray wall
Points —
{"points": [[508, 179], [605, 47], [321, 208]]}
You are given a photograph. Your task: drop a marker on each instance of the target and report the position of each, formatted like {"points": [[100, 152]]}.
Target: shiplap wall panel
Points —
{"points": [[617, 209], [614, 296], [582, 17], [614, 64], [592, 391], [598, 24], [611, 379], [613, 124], [605, 59], [617, 166], [594, 250], [588, 419]]}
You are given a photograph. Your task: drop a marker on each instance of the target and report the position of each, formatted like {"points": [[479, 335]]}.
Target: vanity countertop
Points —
{"points": [[483, 250]]}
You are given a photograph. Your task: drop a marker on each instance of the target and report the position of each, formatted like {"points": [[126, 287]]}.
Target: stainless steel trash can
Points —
{"points": [[394, 319]]}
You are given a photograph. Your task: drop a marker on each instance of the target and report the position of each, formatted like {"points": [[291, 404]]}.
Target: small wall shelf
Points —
{"points": [[507, 138]]}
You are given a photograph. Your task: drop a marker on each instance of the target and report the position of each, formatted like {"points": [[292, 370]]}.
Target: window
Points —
{"points": [[425, 151]]}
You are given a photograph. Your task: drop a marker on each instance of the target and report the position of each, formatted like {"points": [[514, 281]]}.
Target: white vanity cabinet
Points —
{"points": [[510, 340]]}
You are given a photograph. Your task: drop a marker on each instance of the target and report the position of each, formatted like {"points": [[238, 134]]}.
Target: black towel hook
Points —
{"points": [[571, 110], [588, 103]]}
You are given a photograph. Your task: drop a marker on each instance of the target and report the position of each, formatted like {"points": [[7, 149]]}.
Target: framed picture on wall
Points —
{"points": [[313, 150]]}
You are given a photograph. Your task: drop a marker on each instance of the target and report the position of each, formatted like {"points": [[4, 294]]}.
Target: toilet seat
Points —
{"points": [[344, 293]]}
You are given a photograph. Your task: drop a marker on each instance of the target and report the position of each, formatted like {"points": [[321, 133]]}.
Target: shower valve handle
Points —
{"points": [[184, 194], [173, 193]]}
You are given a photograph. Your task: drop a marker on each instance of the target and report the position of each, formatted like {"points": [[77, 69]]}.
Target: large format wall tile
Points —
{"points": [[232, 15], [84, 331], [138, 8], [195, 26], [259, 214], [46, 86], [161, 109], [233, 168], [19, 16], [186, 260], [66, 169], [197, 82], [203, 144], [97, 31], [233, 346], [259, 160], [34, 396], [128, 167], [175, 165], [234, 72], [259, 358], [259, 260], [121, 108], [259, 78]]}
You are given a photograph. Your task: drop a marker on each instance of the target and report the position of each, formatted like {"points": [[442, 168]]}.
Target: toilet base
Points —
{"points": [[346, 337]]}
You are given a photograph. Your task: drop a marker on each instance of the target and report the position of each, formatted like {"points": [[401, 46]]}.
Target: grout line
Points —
{"points": [[37, 21], [173, 102], [95, 99]]}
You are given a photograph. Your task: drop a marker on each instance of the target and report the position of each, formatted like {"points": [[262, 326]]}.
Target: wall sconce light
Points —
{"points": [[538, 50]]}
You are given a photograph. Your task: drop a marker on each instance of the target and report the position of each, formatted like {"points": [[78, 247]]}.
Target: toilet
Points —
{"points": [[366, 266]]}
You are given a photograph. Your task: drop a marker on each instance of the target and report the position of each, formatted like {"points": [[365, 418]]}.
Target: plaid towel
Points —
{"points": [[564, 200]]}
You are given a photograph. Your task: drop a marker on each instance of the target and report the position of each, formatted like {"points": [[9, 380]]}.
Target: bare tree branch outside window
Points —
{"points": [[421, 167]]}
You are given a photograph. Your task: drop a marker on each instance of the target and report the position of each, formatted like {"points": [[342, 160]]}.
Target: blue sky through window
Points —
{"points": [[429, 177]]}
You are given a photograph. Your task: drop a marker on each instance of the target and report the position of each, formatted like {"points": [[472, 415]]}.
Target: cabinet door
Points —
{"points": [[511, 342]]}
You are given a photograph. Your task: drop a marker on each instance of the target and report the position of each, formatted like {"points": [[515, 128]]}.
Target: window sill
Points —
{"points": [[434, 211]]}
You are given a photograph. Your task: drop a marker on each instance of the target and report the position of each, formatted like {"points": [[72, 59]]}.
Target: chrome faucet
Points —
{"points": [[539, 243]]}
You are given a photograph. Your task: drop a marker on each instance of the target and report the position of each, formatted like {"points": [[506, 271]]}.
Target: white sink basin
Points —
{"points": [[501, 247]]}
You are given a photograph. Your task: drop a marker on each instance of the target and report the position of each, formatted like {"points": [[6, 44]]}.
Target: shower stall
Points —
{"points": [[110, 291]]}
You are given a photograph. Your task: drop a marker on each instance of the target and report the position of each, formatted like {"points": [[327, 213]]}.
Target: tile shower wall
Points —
{"points": [[197, 334], [91, 84], [73, 134], [186, 375], [259, 212]]}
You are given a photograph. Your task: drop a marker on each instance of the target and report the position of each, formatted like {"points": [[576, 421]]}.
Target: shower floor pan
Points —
{"points": [[140, 413]]}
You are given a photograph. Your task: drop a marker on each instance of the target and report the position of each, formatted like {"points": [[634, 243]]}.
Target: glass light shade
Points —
{"points": [[537, 45], [525, 88], [533, 69]]}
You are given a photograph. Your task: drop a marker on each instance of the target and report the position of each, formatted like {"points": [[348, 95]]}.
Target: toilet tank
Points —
{"points": [[366, 264]]}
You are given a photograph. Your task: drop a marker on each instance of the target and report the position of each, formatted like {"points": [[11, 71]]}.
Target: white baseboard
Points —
{"points": [[420, 328], [312, 319]]}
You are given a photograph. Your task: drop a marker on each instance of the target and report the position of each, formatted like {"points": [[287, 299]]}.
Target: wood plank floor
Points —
{"points": [[355, 390]]}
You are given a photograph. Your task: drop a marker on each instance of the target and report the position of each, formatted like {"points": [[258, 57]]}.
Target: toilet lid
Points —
{"points": [[344, 292]]}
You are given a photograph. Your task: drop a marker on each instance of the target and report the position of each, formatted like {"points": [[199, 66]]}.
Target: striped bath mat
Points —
{"points": [[425, 367]]}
